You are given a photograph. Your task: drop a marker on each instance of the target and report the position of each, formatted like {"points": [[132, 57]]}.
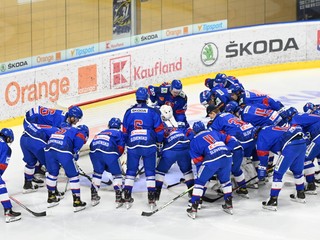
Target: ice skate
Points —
{"points": [[300, 197], [158, 192], [29, 187], [11, 216], [199, 204], [119, 200], [78, 205], [227, 207], [243, 192], [40, 172], [95, 198], [52, 199], [271, 204], [310, 189], [59, 195], [38, 182], [192, 211], [152, 200], [128, 200]]}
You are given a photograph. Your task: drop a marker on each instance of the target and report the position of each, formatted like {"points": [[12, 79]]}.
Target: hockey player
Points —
{"points": [[143, 131], [63, 149], [311, 108], [173, 96], [210, 152], [245, 97], [290, 142], [310, 124], [176, 146], [217, 96], [243, 132], [256, 115], [32, 143], [54, 117], [222, 80], [6, 138], [105, 150]]}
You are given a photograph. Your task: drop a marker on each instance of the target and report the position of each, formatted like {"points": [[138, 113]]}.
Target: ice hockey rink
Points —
{"points": [[291, 221]]}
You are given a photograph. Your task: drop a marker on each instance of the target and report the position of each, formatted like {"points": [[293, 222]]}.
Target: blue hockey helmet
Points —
{"points": [[198, 127], [7, 133], [75, 111], [232, 107], [142, 94], [235, 88], [176, 85], [290, 112], [308, 107], [85, 130], [220, 78], [114, 123], [205, 97], [209, 82]]}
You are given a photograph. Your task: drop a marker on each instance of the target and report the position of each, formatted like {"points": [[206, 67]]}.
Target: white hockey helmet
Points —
{"points": [[166, 112]]}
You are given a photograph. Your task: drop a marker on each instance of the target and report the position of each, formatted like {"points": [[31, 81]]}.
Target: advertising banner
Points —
{"points": [[121, 18]]}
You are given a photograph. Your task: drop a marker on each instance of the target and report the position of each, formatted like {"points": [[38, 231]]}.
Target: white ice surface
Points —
{"points": [[291, 221]]}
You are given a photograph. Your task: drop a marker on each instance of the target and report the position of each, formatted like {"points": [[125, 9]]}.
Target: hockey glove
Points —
{"points": [[159, 149]]}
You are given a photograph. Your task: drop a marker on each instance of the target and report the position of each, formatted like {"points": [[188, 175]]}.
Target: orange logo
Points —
{"points": [[185, 30], [87, 79], [58, 56]]}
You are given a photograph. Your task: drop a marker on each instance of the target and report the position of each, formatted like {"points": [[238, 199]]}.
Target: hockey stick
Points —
{"points": [[82, 173], [175, 184], [36, 214], [211, 200], [167, 204]]}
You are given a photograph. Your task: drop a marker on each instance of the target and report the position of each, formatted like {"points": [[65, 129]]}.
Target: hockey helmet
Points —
{"points": [[232, 107], [142, 94], [308, 107], [205, 97], [75, 111], [220, 78], [176, 85], [198, 127], [8, 135], [114, 123], [85, 130]]}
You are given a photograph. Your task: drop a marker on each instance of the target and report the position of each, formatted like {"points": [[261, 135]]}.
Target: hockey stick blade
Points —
{"points": [[148, 214], [175, 184], [36, 214], [211, 200]]}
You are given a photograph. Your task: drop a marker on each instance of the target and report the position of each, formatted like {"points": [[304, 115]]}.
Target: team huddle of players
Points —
{"points": [[245, 128]]}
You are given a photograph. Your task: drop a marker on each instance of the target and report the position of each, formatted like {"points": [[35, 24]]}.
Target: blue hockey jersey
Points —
{"points": [[207, 146], [231, 125], [251, 98], [39, 132], [108, 141], [177, 138], [68, 139], [5, 154], [142, 126], [274, 138], [310, 123], [47, 116], [260, 117]]}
